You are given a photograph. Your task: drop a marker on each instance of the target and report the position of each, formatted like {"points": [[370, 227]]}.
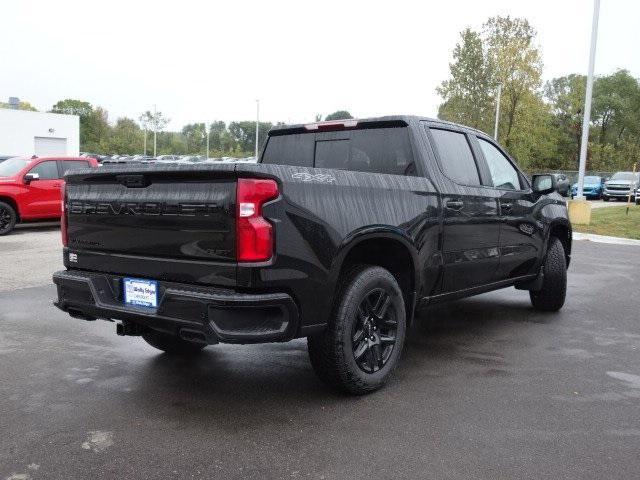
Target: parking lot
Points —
{"points": [[488, 388]]}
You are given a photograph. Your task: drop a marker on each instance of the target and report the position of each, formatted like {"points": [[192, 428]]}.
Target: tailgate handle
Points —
{"points": [[133, 181]]}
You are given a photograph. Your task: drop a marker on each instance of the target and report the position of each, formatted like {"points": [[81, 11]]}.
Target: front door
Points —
{"points": [[42, 197], [521, 238], [471, 222]]}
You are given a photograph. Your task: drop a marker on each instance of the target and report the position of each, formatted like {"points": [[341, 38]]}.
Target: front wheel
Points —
{"points": [[551, 296], [171, 344], [365, 335], [8, 218]]}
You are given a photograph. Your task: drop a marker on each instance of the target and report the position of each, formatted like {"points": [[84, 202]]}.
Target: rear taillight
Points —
{"points": [[63, 218], [254, 234]]}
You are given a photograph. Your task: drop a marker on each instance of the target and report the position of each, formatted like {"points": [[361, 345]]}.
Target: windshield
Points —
{"points": [[591, 179], [10, 167], [616, 176]]}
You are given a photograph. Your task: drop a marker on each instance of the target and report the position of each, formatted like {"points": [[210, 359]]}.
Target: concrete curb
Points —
{"points": [[605, 239]]}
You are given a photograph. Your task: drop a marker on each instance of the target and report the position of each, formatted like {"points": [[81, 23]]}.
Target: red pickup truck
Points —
{"points": [[31, 188]]}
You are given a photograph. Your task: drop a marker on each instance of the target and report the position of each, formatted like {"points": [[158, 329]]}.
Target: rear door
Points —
{"points": [[471, 222], [521, 239], [42, 197]]}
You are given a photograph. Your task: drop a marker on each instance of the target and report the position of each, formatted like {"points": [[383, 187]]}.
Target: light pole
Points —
{"points": [[155, 129], [257, 124], [586, 119], [206, 132], [495, 128]]}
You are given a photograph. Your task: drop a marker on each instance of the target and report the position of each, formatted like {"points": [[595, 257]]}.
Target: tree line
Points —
{"points": [[540, 123], [127, 136]]}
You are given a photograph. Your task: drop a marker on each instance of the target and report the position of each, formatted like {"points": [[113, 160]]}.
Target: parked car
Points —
{"points": [[168, 158], [592, 188], [143, 158], [339, 234], [31, 188], [192, 158], [620, 185]]}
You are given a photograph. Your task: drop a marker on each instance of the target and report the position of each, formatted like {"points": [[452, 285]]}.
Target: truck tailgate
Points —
{"points": [[167, 222]]}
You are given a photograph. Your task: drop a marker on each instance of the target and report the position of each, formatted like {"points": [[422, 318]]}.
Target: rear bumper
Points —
{"points": [[221, 315]]}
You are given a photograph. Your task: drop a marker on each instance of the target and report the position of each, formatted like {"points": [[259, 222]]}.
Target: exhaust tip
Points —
{"points": [[195, 336]]}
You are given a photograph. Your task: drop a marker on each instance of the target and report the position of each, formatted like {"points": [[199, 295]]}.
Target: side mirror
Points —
{"points": [[563, 187], [544, 183], [30, 177]]}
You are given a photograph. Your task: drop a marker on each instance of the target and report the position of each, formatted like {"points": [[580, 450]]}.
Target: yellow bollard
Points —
{"points": [[579, 212]]}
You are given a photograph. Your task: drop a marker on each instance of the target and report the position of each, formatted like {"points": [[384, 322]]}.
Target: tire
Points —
{"points": [[363, 341], [606, 199], [550, 298], [8, 218], [171, 344]]}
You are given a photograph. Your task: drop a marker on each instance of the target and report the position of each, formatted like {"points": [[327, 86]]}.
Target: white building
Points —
{"points": [[25, 133]]}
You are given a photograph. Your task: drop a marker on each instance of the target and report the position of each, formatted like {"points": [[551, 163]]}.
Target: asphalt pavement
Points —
{"points": [[487, 388]]}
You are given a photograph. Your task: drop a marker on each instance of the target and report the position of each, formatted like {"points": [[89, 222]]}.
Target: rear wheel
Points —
{"points": [[8, 218], [171, 343], [364, 338], [551, 296]]}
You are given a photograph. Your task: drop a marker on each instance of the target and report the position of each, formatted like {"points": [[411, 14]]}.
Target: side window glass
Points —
{"points": [[46, 170], [503, 174], [456, 158]]}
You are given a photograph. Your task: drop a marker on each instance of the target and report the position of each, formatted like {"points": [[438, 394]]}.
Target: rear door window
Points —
{"points": [[456, 157]]}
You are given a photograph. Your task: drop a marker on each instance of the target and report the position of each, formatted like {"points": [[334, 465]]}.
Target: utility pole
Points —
{"points": [[587, 101], [155, 129], [207, 132], [145, 140], [257, 125], [495, 128]]}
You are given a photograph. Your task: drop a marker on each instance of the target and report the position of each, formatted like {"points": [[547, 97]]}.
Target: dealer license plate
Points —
{"points": [[142, 293]]}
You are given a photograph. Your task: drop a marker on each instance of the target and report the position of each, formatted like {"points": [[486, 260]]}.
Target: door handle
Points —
{"points": [[506, 207], [454, 205]]}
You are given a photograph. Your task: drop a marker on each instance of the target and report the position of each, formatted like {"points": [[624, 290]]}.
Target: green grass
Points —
{"points": [[614, 221]]}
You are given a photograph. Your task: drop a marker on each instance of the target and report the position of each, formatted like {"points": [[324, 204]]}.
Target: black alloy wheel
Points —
{"points": [[7, 218], [374, 331], [362, 343]]}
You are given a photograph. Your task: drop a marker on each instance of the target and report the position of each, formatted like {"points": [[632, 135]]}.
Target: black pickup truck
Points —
{"points": [[340, 233]]}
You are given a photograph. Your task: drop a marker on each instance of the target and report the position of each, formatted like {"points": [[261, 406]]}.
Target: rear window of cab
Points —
{"points": [[375, 150]]}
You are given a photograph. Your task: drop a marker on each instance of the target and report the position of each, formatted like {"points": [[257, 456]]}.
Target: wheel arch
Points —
{"points": [[561, 229], [12, 203], [387, 248]]}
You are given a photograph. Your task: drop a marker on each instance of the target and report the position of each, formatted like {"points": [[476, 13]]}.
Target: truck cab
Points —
{"points": [[31, 188]]}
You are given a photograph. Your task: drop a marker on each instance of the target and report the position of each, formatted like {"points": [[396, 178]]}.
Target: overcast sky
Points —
{"points": [[202, 61]]}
